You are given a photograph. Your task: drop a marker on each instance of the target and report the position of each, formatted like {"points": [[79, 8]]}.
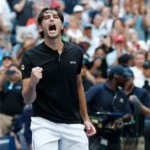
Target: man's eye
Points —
{"points": [[55, 16], [47, 17]]}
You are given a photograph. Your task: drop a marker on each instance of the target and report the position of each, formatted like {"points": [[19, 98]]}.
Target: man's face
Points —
{"points": [[121, 81], [78, 14], [129, 84], [99, 53], [15, 75], [6, 62], [88, 32], [97, 20], [146, 72], [51, 24], [139, 60]]}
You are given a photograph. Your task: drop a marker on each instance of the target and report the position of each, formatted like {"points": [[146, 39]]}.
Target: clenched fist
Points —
{"points": [[36, 75]]}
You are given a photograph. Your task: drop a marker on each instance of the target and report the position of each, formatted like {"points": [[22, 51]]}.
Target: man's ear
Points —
{"points": [[116, 76], [62, 28], [40, 28]]}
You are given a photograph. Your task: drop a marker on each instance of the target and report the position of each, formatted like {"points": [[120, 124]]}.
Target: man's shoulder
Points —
{"points": [[140, 90], [99, 86], [34, 49], [73, 47]]}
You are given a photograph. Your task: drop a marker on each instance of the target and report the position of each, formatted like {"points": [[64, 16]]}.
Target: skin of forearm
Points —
{"points": [[29, 94], [19, 7], [2, 79], [145, 110], [82, 102]]}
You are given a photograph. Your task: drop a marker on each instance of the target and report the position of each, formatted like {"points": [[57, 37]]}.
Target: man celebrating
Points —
{"points": [[52, 82]]}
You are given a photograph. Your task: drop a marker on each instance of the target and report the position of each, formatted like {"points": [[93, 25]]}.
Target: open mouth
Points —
{"points": [[52, 28]]}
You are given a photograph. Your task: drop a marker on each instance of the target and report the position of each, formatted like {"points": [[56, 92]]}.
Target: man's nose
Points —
{"points": [[51, 19]]}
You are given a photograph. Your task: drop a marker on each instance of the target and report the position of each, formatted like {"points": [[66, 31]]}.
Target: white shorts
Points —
{"points": [[47, 135]]}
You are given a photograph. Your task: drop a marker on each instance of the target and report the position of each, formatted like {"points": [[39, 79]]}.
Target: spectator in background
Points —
{"points": [[6, 16], [73, 31], [126, 60], [65, 36], [139, 59], [119, 26], [96, 32], [146, 72], [128, 12], [92, 40], [138, 21], [87, 79], [24, 11], [10, 90], [70, 5], [115, 12], [112, 58], [134, 44], [81, 16], [61, 6], [107, 22], [99, 63], [96, 7], [5, 49], [6, 62]]}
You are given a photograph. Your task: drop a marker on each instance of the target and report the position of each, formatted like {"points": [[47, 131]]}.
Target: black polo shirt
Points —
{"points": [[57, 95], [102, 97]]}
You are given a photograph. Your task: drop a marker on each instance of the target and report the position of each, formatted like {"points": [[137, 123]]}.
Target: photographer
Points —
{"points": [[10, 90], [141, 96], [110, 98]]}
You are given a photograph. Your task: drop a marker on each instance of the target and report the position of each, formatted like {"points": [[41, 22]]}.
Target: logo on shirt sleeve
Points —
{"points": [[22, 67]]}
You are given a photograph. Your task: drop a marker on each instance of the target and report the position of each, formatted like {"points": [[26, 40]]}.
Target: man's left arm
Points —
{"points": [[83, 108], [144, 103]]}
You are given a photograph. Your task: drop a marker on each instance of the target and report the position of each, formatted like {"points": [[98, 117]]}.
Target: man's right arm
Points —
{"points": [[144, 109], [29, 85], [91, 93], [29, 92]]}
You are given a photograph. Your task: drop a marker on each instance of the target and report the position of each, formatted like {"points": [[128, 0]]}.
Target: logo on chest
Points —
{"points": [[121, 100], [72, 62]]}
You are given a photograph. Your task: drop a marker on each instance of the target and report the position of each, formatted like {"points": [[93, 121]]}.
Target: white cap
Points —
{"points": [[78, 8]]}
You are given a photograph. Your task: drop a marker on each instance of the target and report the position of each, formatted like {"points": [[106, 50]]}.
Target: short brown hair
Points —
{"points": [[40, 17]]}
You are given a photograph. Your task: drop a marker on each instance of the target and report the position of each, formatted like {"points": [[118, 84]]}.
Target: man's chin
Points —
{"points": [[53, 36]]}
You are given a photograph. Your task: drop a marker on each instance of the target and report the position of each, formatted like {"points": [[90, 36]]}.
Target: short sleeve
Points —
{"points": [[146, 99], [80, 64], [26, 67]]}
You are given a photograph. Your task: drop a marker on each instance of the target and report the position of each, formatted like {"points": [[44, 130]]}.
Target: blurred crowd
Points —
{"points": [[110, 32]]}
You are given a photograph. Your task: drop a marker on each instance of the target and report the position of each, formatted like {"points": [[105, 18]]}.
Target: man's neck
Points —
{"points": [[96, 26], [13, 81], [55, 44], [139, 67], [129, 90]]}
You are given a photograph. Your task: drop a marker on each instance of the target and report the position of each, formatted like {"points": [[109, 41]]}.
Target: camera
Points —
{"points": [[104, 123], [10, 72]]}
